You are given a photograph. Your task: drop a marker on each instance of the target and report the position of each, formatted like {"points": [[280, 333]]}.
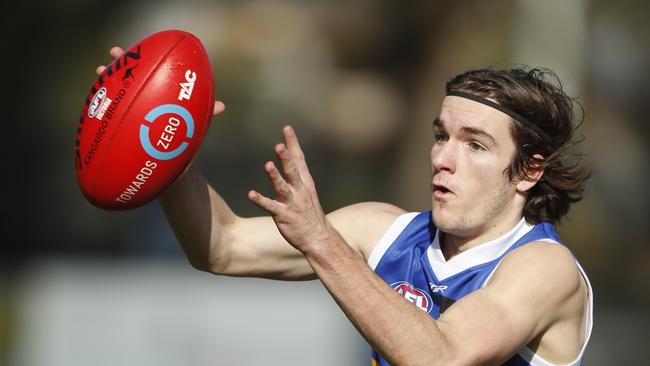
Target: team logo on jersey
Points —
{"points": [[414, 295]]}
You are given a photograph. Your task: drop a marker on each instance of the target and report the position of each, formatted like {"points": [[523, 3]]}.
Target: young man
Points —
{"points": [[484, 277]]}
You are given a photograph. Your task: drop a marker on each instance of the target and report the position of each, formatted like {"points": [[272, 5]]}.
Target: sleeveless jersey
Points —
{"points": [[409, 259]]}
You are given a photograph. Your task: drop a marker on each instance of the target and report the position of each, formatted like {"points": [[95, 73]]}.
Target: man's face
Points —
{"points": [[472, 149]]}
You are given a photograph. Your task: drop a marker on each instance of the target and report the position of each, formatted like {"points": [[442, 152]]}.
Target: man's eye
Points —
{"points": [[475, 146], [440, 137]]}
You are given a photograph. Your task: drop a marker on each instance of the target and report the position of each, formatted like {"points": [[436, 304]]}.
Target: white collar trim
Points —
{"points": [[479, 254]]}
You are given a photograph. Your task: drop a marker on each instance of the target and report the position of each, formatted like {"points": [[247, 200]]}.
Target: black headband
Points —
{"points": [[501, 108]]}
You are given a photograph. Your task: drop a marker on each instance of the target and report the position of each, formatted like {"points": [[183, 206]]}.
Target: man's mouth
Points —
{"points": [[440, 190]]}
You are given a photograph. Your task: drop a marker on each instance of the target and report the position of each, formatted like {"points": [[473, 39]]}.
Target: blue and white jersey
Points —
{"points": [[409, 258]]}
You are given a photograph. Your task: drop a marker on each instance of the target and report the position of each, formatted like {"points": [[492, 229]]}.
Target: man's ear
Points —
{"points": [[533, 175]]}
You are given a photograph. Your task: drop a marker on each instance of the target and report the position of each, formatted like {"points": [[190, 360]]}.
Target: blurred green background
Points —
{"points": [[361, 82]]}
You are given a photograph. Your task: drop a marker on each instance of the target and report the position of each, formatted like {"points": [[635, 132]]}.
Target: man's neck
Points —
{"points": [[452, 245]]}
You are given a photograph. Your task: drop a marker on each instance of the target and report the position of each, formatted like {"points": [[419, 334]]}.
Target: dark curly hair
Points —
{"points": [[537, 95]]}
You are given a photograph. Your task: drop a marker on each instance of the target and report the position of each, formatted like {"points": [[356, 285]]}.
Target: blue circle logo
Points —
{"points": [[151, 117]]}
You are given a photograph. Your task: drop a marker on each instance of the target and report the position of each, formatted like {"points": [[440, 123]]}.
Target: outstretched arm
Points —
{"points": [[216, 240]]}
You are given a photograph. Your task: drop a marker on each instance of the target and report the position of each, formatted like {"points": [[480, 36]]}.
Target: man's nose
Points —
{"points": [[443, 157]]}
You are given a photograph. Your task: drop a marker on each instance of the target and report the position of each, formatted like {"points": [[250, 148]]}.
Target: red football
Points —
{"points": [[144, 120]]}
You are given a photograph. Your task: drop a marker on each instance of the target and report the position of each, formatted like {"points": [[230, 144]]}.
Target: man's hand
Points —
{"points": [[296, 210], [116, 51]]}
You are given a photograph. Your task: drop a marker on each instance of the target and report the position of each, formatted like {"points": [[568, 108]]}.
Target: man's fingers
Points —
{"points": [[218, 108], [116, 52], [263, 202], [293, 145], [288, 164], [298, 157], [279, 184]]}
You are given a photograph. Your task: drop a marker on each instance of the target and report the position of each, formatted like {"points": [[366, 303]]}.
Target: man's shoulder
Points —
{"points": [[543, 283], [541, 255], [540, 271], [363, 224]]}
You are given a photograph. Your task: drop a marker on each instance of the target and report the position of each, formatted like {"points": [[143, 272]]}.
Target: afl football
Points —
{"points": [[143, 120]]}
